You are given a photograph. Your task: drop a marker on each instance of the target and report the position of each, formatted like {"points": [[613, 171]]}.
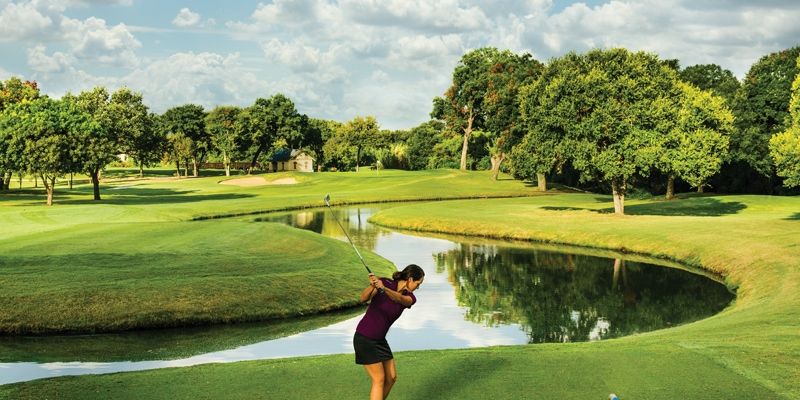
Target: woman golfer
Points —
{"points": [[389, 298]]}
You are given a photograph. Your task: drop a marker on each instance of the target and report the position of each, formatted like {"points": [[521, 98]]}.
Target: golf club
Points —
{"points": [[328, 203]]}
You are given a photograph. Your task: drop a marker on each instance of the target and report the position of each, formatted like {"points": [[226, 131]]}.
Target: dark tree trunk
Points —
{"points": [[178, 169], [70, 181], [541, 181], [670, 187], [1, 181], [9, 175], [35, 181], [141, 170], [255, 159], [20, 180], [186, 168], [96, 183]]}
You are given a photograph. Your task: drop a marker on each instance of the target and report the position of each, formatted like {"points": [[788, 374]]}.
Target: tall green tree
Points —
{"points": [[421, 141], [94, 149], [762, 108], [614, 104], [267, 121], [462, 106], [189, 120], [712, 77], [546, 119], [508, 74], [221, 127], [13, 91], [361, 133], [43, 132], [696, 146], [135, 128], [785, 146], [316, 133]]}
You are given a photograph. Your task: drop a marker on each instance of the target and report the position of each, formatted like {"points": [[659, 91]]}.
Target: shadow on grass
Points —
{"points": [[794, 217], [697, 207], [463, 372], [129, 196]]}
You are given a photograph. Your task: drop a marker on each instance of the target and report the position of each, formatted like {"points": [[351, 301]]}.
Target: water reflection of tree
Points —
{"points": [[324, 222], [559, 297]]}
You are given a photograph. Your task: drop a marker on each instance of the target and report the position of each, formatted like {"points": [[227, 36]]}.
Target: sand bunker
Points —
{"points": [[258, 181]]}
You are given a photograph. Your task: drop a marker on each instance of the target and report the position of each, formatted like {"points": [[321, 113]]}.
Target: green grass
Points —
{"points": [[750, 350], [111, 277], [146, 256]]}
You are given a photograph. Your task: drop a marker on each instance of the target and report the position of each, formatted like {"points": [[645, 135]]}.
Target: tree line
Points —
{"points": [[615, 120], [607, 120]]}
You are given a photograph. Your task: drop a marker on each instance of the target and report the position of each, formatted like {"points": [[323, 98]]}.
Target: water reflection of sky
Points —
{"points": [[435, 322]]}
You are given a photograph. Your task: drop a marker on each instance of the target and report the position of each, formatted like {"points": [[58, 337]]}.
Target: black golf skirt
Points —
{"points": [[371, 351]]}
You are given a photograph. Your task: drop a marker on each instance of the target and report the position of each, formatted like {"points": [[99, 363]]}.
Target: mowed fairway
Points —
{"points": [[140, 259], [750, 350]]}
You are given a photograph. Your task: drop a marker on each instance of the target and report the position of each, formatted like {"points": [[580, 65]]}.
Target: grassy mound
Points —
{"points": [[111, 277]]}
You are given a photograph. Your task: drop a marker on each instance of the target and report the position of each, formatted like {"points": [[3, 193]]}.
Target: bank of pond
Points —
{"points": [[477, 293]]}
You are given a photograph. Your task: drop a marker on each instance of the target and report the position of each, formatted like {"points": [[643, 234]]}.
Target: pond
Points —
{"points": [[476, 293]]}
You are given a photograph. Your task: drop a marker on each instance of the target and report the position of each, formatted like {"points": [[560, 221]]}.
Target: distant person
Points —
{"points": [[390, 297]]}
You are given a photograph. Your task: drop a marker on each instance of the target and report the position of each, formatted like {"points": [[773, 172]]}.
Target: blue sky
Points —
{"points": [[338, 59]]}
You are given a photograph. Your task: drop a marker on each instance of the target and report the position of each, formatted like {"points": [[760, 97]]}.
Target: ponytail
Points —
{"points": [[412, 271]]}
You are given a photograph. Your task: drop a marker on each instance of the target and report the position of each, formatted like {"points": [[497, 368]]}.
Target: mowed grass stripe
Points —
{"points": [[173, 274]]}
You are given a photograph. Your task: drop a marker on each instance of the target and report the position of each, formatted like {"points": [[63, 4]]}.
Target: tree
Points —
{"points": [[42, 131], [221, 127], [507, 76], [360, 133], [135, 128], [94, 149], [189, 120], [545, 119], [421, 141], [611, 106], [13, 91], [462, 105], [269, 120], [696, 146], [762, 108], [785, 146], [712, 77]]}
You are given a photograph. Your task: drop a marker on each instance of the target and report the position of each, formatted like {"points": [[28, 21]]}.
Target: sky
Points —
{"points": [[338, 59]]}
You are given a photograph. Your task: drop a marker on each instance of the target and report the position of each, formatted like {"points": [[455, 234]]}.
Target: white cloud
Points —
{"points": [[22, 21], [186, 18], [425, 15], [296, 55], [38, 61], [208, 79], [91, 39]]}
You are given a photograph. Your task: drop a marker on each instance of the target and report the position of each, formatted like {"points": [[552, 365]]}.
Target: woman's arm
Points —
{"points": [[367, 294], [398, 297], [395, 296]]}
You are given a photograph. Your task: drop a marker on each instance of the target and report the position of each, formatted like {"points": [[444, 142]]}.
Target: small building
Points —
{"points": [[291, 160]]}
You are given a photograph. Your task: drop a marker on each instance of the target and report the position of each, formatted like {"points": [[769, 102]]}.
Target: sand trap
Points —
{"points": [[258, 181]]}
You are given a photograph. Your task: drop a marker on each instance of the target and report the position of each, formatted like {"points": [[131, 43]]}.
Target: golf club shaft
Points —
{"points": [[351, 243], [327, 203]]}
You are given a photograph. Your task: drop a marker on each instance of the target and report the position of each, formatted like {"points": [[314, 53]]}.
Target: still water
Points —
{"points": [[476, 293]]}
